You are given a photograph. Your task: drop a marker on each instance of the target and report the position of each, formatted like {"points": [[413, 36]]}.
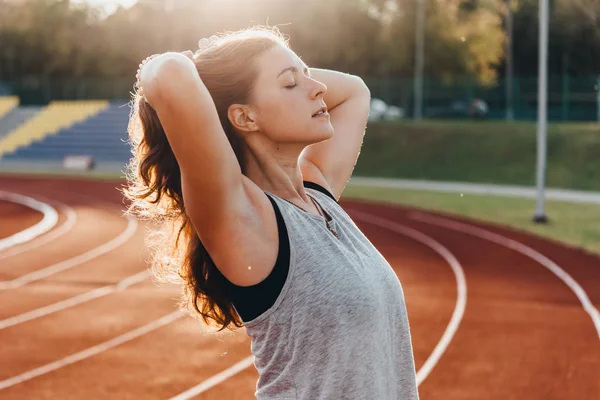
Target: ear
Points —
{"points": [[242, 117]]}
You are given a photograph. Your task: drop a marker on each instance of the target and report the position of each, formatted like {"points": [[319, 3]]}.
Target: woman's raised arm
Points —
{"points": [[220, 201], [331, 163], [188, 115]]}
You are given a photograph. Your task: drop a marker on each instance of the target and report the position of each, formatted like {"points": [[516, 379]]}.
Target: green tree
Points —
{"points": [[574, 38], [458, 41]]}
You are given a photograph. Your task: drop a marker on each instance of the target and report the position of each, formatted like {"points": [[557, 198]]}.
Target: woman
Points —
{"points": [[234, 149]]}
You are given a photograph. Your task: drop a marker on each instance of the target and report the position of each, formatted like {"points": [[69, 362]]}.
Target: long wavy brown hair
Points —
{"points": [[225, 65]]}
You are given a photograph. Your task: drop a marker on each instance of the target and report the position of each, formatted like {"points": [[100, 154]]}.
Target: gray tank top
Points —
{"points": [[339, 327]]}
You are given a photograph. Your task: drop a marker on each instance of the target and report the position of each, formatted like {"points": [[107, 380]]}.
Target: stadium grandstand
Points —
{"points": [[50, 136]]}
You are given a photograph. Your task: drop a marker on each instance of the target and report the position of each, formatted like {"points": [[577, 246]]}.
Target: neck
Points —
{"points": [[275, 169]]}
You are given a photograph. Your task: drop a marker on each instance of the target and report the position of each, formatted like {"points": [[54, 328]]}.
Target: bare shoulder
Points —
{"points": [[245, 244]]}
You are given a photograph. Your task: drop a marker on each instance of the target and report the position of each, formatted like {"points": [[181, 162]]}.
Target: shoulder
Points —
{"points": [[312, 174], [319, 188], [245, 245], [257, 237]]}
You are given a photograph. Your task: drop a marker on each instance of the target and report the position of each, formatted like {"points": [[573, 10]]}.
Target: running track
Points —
{"points": [[494, 313]]}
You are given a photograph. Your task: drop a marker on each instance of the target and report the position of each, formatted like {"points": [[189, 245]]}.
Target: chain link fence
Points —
{"points": [[569, 98]]}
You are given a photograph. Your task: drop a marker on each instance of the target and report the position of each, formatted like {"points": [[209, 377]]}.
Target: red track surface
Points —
{"points": [[524, 334], [16, 217]]}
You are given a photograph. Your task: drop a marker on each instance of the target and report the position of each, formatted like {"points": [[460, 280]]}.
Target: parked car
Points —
{"points": [[478, 108], [381, 111]]}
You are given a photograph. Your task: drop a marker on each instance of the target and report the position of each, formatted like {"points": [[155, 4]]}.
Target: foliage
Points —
{"points": [[371, 38], [58, 38], [574, 37]]}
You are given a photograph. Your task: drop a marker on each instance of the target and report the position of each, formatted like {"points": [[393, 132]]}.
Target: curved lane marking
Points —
{"points": [[42, 240], [75, 300], [216, 379], [74, 261], [91, 351], [48, 222], [521, 248], [459, 275]]}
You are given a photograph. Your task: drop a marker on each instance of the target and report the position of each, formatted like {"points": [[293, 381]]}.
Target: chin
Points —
{"points": [[324, 135], [317, 135], [330, 133]]}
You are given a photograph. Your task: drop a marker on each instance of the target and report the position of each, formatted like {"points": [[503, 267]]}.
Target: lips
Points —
{"points": [[320, 111]]}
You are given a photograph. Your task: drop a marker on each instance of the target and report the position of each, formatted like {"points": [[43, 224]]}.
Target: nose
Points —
{"points": [[319, 89]]}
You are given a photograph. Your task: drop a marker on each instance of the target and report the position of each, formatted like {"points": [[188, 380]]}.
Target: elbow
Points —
{"points": [[358, 87], [361, 91], [362, 95], [361, 87], [167, 73], [173, 65]]}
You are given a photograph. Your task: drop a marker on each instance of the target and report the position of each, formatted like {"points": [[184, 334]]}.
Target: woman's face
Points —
{"points": [[286, 99]]}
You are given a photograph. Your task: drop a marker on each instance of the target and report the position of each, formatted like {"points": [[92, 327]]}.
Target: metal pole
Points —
{"points": [[419, 56], [540, 215], [566, 86], [598, 97], [509, 62]]}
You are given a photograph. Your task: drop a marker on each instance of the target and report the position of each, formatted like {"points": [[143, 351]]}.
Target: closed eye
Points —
{"points": [[291, 86]]}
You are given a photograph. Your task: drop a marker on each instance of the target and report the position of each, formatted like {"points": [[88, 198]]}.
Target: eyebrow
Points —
{"points": [[293, 69]]}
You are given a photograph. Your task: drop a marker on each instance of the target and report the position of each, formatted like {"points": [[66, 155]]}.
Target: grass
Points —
{"points": [[570, 223], [481, 151], [92, 175]]}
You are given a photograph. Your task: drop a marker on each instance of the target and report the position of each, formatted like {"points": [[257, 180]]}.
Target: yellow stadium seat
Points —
{"points": [[54, 117], [7, 104]]}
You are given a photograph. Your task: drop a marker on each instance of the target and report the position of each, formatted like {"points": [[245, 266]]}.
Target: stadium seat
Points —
{"points": [[7, 104], [16, 117], [102, 135], [56, 116]]}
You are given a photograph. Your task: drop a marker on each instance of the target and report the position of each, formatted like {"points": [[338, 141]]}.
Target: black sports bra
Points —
{"points": [[252, 301]]}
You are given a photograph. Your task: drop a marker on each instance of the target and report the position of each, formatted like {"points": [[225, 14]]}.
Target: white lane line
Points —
{"points": [[48, 222], [461, 285], [75, 300], [74, 261], [521, 248], [438, 351], [215, 380], [53, 235], [92, 351]]}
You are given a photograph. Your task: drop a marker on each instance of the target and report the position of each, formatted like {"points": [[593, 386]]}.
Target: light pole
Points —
{"points": [[540, 214], [419, 57], [509, 62]]}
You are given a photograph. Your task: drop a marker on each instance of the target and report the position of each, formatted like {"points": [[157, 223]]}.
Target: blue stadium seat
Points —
{"points": [[103, 136], [16, 117]]}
